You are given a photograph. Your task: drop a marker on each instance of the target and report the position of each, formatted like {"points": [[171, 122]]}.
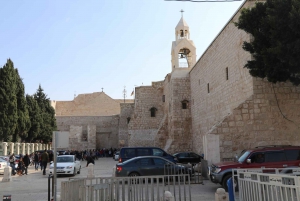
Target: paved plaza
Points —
{"points": [[34, 186]]}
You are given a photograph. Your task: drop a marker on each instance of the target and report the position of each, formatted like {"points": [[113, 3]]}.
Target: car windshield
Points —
{"points": [[2, 160], [244, 154], [64, 159]]}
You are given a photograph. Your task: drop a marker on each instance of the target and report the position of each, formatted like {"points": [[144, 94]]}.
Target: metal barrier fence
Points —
{"points": [[150, 188], [268, 184], [194, 170]]}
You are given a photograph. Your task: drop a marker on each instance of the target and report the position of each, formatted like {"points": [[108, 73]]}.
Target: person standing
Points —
{"points": [[45, 159], [36, 161], [12, 164], [89, 159], [26, 161]]}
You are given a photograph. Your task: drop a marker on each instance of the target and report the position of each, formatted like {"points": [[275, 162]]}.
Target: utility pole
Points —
{"points": [[124, 93]]}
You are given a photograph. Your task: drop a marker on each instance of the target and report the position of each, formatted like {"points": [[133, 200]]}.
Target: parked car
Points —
{"points": [[5, 158], [116, 155], [3, 164], [149, 165], [131, 152], [188, 157], [61, 152], [273, 156], [66, 164]]}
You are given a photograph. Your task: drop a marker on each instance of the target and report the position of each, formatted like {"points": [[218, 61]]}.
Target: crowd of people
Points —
{"points": [[40, 159]]}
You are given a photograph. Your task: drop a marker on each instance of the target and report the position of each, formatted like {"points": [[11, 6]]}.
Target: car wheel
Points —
{"points": [[224, 183], [135, 180], [74, 172], [134, 174], [78, 172]]}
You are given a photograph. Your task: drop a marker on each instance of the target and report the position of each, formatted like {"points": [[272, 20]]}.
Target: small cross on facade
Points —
{"points": [[182, 12]]}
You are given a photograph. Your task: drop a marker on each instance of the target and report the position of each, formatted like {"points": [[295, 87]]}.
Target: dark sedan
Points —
{"points": [[150, 165], [188, 157]]}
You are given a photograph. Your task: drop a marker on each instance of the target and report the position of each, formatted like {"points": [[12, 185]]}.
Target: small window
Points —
{"points": [[199, 81], [163, 98], [128, 120], [207, 87], [184, 104], [153, 111], [227, 73]]}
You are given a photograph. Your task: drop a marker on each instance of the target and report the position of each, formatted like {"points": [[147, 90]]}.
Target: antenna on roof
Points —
{"points": [[124, 93]]}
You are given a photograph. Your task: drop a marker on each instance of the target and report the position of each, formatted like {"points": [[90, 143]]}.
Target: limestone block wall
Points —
{"points": [[179, 119], [143, 128], [90, 132], [126, 112], [214, 95], [94, 104], [271, 116]]}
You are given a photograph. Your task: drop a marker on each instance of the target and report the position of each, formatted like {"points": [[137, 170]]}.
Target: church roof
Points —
{"points": [[182, 24]]}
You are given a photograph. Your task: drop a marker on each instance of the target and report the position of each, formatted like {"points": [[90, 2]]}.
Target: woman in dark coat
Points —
{"points": [[26, 161]]}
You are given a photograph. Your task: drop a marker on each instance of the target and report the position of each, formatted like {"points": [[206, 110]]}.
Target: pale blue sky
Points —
{"points": [[80, 46]]}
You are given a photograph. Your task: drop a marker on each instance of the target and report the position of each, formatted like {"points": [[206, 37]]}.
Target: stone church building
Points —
{"points": [[211, 106]]}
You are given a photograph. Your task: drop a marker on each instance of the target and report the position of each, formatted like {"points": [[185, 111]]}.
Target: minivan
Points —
{"points": [[131, 152]]}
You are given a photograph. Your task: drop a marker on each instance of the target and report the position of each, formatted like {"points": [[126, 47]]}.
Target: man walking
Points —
{"points": [[12, 164], [45, 159], [36, 161], [26, 161]]}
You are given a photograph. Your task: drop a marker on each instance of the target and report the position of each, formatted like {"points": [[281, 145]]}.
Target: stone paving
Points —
{"points": [[34, 186]]}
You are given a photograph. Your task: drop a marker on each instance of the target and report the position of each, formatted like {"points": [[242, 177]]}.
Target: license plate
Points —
{"points": [[59, 170]]}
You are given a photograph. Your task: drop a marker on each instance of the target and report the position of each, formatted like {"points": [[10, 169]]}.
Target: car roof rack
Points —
{"points": [[268, 146]]}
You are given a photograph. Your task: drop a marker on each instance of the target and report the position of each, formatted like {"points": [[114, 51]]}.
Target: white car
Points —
{"points": [[66, 164], [3, 164], [117, 155]]}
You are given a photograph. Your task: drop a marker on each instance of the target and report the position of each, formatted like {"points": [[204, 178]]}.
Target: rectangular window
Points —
{"points": [[199, 81], [227, 73], [207, 87], [163, 98]]}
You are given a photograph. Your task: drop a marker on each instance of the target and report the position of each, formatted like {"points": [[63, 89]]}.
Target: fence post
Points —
{"points": [[230, 189], [91, 171], [221, 195], [49, 178]]}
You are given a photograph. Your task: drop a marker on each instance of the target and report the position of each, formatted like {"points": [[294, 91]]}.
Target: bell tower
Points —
{"points": [[183, 49]]}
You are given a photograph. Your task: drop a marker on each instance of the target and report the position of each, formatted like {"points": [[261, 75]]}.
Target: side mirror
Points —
{"points": [[248, 160]]}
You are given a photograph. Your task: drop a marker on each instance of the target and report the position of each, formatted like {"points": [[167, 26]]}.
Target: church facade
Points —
{"points": [[211, 106]]}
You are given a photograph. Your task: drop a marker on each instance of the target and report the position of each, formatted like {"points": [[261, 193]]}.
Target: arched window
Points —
{"points": [[153, 111], [128, 120], [184, 104]]}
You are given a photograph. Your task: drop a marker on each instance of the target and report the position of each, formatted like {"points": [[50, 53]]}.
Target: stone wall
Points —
{"points": [[269, 117], [236, 112], [94, 104], [179, 119], [125, 118], [90, 132], [209, 108], [143, 128]]}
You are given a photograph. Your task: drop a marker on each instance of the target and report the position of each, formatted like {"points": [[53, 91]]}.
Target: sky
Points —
{"points": [[72, 47]]}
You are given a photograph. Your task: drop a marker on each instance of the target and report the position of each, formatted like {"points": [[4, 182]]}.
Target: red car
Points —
{"points": [[272, 156]]}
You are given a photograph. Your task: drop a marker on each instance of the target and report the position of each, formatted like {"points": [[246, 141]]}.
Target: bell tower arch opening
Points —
{"points": [[183, 48]]}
